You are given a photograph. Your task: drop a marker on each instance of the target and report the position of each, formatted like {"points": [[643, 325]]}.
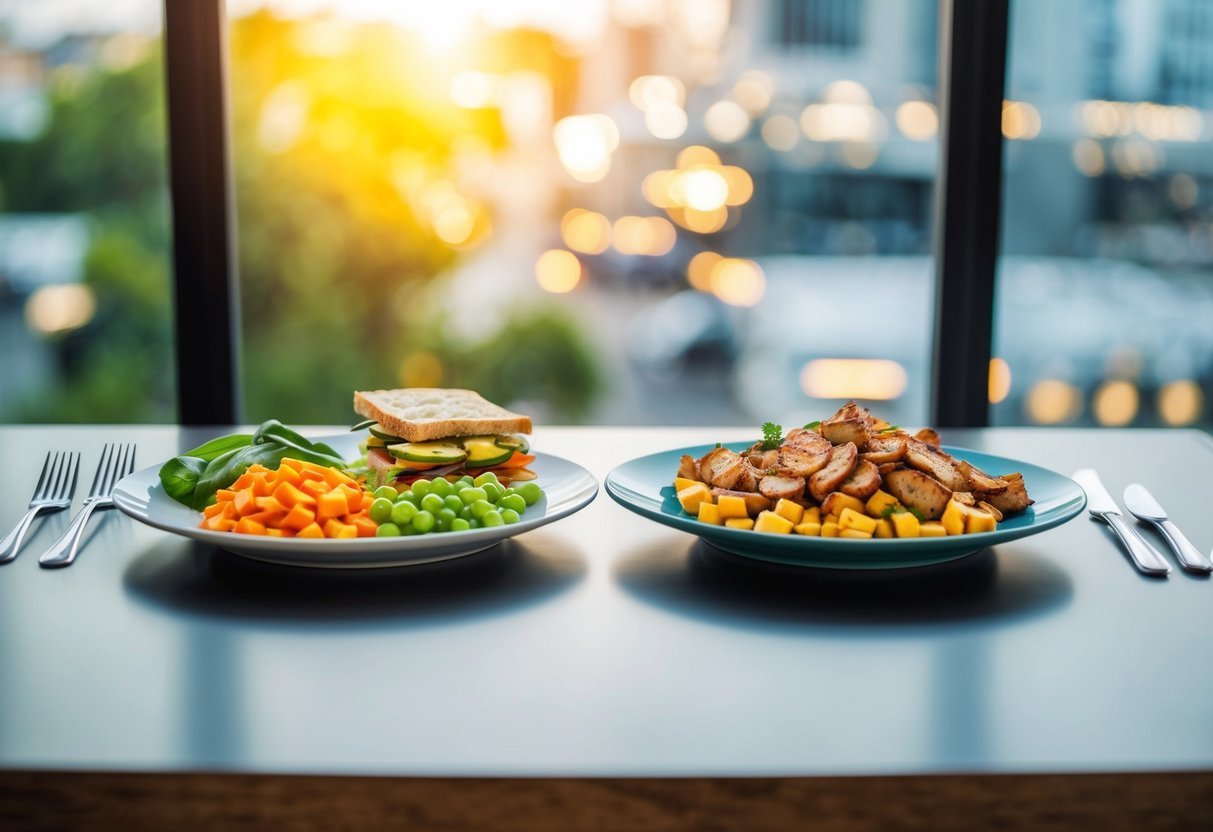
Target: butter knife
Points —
{"points": [[1102, 507], [1142, 505]]}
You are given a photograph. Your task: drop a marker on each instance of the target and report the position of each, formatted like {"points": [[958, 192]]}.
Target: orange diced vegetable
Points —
{"points": [[244, 501], [225, 494], [270, 504], [366, 526], [331, 504], [312, 530], [314, 487], [298, 517], [247, 525], [287, 494], [212, 509], [335, 528]]}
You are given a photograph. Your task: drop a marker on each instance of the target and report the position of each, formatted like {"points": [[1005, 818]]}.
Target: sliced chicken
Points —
{"points": [[851, 423], [762, 460], [965, 498], [841, 464], [931, 460], [914, 489], [978, 480], [725, 469], [886, 467], [794, 461], [809, 441], [781, 488], [991, 510], [755, 503], [928, 436], [1012, 499], [688, 468], [863, 482], [885, 447]]}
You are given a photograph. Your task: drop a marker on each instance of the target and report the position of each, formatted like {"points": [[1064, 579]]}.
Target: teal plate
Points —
{"points": [[645, 486]]}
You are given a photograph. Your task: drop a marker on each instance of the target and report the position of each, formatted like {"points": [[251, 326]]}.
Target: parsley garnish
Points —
{"points": [[813, 425], [772, 435]]}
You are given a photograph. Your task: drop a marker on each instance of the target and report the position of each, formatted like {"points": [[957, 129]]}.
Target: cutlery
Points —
{"points": [[116, 462], [1142, 505], [1103, 507], [54, 490]]}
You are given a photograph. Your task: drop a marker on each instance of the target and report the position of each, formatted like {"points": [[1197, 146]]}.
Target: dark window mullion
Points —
{"points": [[968, 197], [206, 297]]}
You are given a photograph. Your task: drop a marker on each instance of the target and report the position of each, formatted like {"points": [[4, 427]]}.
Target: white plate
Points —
{"points": [[567, 487]]}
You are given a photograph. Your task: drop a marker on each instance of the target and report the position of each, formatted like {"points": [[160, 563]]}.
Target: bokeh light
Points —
{"points": [[585, 144], [586, 231], [737, 282], [1000, 380], [1115, 403], [558, 271], [917, 120], [1053, 401], [699, 270], [1180, 402], [60, 308], [875, 379], [726, 121]]}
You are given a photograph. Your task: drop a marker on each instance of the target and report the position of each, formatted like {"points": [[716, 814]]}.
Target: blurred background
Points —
{"points": [[612, 211]]}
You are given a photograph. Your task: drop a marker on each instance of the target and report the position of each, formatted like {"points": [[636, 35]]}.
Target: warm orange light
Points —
{"points": [[585, 231], [1180, 402], [1089, 157], [1000, 380], [697, 155], [874, 379], [726, 121], [558, 271], [1115, 403], [741, 185], [1020, 120], [699, 270], [701, 222], [737, 282], [917, 120], [1052, 401], [60, 307]]}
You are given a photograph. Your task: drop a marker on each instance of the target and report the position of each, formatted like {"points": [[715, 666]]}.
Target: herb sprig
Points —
{"points": [[772, 436]]}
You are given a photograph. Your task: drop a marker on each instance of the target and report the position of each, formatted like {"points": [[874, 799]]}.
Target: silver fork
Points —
{"points": [[116, 462], [54, 490]]}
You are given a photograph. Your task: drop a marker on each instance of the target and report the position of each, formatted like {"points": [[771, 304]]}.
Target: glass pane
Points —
{"points": [[639, 211], [1106, 283], [85, 310]]}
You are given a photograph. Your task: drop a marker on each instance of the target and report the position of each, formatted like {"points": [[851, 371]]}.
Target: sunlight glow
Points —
{"points": [[60, 308], [737, 282], [875, 379], [558, 271], [585, 144], [586, 231]]}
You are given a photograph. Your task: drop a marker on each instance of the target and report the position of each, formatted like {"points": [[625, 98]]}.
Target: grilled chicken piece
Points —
{"points": [[831, 504], [939, 465], [1012, 499], [885, 447], [928, 436], [762, 460], [688, 468], [863, 482], [795, 461], [725, 469], [809, 441], [989, 509], [886, 467], [914, 489], [978, 480], [851, 423], [785, 488], [755, 503], [841, 464], [965, 498]]}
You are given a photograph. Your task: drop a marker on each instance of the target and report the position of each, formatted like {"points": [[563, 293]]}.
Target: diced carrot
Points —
{"points": [[367, 499], [272, 532], [309, 472], [270, 504], [262, 486], [246, 525], [312, 530], [298, 518], [218, 523], [335, 528], [289, 495], [225, 494], [314, 487], [212, 509], [331, 504], [365, 525], [257, 468], [291, 463], [268, 518], [229, 511], [244, 501], [353, 497], [242, 481]]}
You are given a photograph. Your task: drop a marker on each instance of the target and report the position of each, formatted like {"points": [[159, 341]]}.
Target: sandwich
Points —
{"points": [[423, 432]]}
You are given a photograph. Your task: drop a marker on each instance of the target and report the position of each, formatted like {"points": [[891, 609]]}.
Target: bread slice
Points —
{"points": [[419, 414]]}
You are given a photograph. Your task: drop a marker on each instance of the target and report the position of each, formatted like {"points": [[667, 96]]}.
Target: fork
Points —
{"points": [[116, 462], [54, 490]]}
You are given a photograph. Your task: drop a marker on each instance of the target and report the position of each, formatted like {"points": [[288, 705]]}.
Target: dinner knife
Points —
{"points": [[1102, 507], [1142, 505]]}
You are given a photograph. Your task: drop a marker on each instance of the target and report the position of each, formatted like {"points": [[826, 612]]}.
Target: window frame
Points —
{"points": [[972, 56]]}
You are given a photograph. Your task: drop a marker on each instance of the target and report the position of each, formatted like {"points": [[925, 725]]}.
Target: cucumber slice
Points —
{"points": [[438, 452], [379, 430], [483, 451], [517, 443]]}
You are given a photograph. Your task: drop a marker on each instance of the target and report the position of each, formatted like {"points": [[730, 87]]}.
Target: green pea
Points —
{"points": [[481, 508], [514, 502], [421, 487], [474, 523], [424, 522], [386, 492], [531, 492], [471, 495], [381, 509], [487, 476], [466, 513], [493, 490], [403, 513], [460, 525], [432, 503], [387, 530], [509, 516], [466, 481], [492, 518], [443, 520], [407, 497], [441, 487]]}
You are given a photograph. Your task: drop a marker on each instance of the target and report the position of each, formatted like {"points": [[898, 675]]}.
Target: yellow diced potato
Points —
{"points": [[977, 520], [732, 507], [691, 496], [684, 482], [829, 528], [953, 519], [812, 514], [709, 513], [769, 521], [905, 524], [852, 519], [792, 512], [746, 523], [836, 502], [878, 502], [812, 529], [884, 528], [855, 534], [932, 528]]}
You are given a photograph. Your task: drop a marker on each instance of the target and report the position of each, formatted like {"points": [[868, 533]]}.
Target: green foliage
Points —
{"points": [[772, 436]]}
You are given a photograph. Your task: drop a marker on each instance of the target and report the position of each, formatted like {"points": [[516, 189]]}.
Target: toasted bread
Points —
{"points": [[419, 414]]}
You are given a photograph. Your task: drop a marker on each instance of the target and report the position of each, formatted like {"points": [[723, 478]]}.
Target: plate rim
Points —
{"points": [[134, 495], [809, 551]]}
